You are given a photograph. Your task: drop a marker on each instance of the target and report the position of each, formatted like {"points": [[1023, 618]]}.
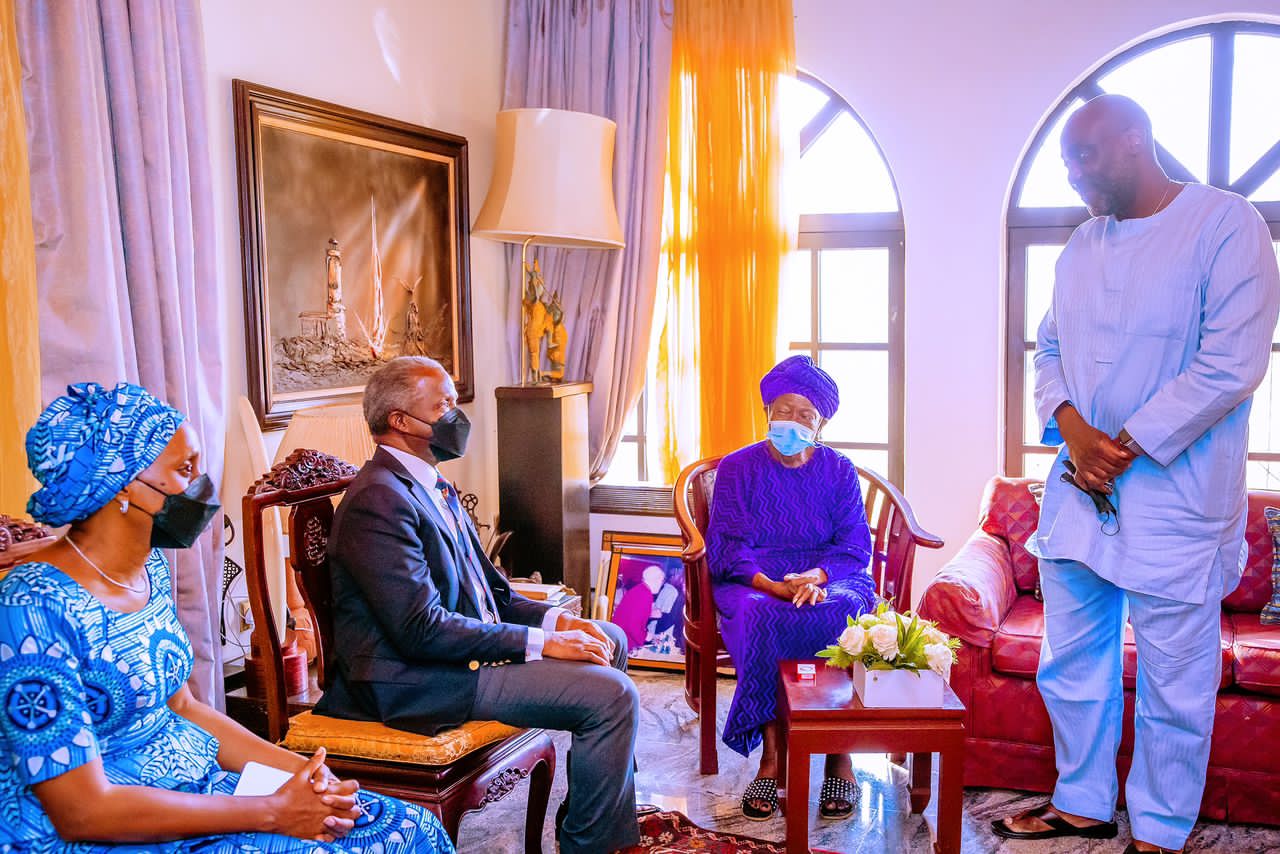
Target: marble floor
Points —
{"points": [[668, 776]]}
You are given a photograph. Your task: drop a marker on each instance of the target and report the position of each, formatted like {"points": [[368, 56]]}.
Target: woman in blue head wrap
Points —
{"points": [[788, 548], [102, 746]]}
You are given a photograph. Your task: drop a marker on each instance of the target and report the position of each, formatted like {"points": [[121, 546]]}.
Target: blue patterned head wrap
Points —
{"points": [[89, 443], [799, 375]]}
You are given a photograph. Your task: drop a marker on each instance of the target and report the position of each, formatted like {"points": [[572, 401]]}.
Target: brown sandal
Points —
{"points": [[1058, 826]]}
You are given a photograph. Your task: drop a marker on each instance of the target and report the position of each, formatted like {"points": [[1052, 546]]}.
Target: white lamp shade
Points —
{"points": [[552, 181], [338, 429]]}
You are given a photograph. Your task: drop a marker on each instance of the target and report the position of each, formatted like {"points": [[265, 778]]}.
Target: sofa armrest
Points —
{"points": [[970, 596]]}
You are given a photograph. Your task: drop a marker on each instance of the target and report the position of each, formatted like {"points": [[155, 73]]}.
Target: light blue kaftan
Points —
{"points": [[1162, 326]]}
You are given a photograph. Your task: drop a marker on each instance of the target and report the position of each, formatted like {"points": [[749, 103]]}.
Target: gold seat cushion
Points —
{"points": [[372, 740]]}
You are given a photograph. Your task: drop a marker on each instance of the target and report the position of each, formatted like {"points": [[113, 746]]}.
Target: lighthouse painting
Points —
{"points": [[353, 236]]}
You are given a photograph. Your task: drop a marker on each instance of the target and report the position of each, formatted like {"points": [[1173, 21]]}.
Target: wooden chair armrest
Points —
{"points": [[918, 533]]}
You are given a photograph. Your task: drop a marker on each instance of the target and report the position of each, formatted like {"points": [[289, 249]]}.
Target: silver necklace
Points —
{"points": [[1167, 191], [98, 570]]}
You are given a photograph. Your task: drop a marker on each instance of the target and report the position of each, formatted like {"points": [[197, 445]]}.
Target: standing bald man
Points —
{"points": [[1164, 305]]}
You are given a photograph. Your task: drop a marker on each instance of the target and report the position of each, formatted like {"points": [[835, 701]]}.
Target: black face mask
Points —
{"points": [[184, 515], [449, 435]]}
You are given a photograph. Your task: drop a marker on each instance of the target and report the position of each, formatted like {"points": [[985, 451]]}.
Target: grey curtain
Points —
{"points": [[611, 58], [123, 212]]}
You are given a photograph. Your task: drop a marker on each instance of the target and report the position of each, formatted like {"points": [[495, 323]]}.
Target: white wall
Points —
{"points": [[436, 63], [953, 93]]}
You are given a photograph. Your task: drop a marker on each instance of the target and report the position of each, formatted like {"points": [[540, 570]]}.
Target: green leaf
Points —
{"points": [[852, 621]]}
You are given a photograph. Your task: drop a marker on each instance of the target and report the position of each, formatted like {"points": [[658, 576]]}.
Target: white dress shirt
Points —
{"points": [[426, 475]]}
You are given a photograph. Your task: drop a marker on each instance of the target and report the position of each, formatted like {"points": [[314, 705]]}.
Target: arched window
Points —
{"points": [[842, 291], [1210, 91], [842, 294]]}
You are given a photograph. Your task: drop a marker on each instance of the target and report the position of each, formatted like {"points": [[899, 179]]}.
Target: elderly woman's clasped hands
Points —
{"points": [[802, 588]]}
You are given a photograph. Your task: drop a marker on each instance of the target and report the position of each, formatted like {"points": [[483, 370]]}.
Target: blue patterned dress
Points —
{"points": [[79, 681], [768, 518]]}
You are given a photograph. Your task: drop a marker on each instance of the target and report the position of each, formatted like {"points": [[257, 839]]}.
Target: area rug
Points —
{"points": [[674, 833]]}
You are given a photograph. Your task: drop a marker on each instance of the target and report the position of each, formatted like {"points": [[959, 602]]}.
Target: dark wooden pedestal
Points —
{"points": [[544, 482]]}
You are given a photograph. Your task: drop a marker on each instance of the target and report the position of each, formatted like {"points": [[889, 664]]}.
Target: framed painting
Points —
{"points": [[353, 233], [641, 590]]}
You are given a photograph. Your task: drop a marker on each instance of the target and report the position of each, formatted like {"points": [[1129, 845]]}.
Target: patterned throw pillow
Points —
{"points": [[1271, 611]]}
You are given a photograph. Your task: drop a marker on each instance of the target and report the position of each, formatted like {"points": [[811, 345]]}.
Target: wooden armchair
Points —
{"points": [[458, 771], [19, 538], [895, 535]]}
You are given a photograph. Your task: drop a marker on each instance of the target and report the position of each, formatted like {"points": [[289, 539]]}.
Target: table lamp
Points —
{"points": [[552, 186]]}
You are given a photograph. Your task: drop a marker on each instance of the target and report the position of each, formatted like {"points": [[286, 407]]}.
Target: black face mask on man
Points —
{"points": [[449, 434], [184, 516]]}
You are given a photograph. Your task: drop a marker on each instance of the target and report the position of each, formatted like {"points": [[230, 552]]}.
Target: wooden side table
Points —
{"points": [[824, 715]]}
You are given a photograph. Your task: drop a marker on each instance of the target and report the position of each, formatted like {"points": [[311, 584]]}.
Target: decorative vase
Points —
{"points": [[904, 689]]}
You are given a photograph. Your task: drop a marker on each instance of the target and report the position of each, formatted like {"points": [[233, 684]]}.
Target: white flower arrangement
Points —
{"points": [[887, 640]]}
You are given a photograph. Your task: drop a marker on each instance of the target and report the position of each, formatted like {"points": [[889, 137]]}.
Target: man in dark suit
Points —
{"points": [[422, 619]]}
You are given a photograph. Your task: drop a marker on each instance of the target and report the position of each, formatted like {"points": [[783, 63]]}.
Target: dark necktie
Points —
{"points": [[488, 607]]}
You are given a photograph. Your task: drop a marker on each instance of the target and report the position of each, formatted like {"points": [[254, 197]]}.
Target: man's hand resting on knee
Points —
{"points": [[576, 645], [568, 622]]}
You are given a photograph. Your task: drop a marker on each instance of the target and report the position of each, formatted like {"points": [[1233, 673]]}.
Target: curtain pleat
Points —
{"points": [[727, 231], [122, 207], [19, 320]]}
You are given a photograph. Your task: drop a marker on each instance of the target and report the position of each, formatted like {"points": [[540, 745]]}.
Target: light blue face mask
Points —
{"points": [[790, 438]]}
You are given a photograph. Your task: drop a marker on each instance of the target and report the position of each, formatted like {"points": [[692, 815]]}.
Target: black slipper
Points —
{"points": [[760, 789], [837, 798], [1134, 849], [1058, 826]]}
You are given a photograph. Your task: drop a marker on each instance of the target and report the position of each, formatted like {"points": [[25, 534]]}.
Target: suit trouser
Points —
{"points": [[1179, 668], [600, 706]]}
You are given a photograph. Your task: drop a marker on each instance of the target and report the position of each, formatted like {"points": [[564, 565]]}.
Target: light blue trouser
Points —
{"points": [[1179, 668]]}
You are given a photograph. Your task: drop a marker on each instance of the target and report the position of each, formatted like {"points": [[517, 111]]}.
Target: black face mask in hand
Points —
{"points": [[184, 515], [1107, 511]]}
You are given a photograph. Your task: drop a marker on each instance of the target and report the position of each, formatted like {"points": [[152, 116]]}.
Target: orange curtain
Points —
{"points": [[19, 339], [727, 232]]}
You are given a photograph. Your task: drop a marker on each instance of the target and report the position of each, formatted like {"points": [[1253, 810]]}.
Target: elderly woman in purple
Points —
{"points": [[788, 548]]}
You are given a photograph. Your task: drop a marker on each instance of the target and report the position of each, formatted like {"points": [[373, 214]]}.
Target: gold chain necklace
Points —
{"points": [[98, 569]]}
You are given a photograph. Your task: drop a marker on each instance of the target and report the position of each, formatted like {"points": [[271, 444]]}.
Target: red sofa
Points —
{"points": [[986, 596]]}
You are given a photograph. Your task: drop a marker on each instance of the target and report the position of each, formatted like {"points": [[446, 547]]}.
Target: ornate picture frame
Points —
{"points": [[641, 590], [354, 247]]}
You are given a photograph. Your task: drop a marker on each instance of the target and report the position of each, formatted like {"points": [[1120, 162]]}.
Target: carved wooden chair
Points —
{"points": [[19, 538], [895, 535], [458, 771]]}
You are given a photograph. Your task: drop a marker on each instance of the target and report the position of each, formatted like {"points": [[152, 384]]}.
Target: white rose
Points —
{"points": [[867, 620], [852, 640], [885, 640], [939, 657], [889, 618], [933, 636]]}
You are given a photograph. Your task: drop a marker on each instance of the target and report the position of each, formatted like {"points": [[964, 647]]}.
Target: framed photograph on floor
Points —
{"points": [[354, 242], [641, 590]]}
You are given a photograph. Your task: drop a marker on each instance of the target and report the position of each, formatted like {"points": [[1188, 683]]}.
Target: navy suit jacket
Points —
{"points": [[408, 638]]}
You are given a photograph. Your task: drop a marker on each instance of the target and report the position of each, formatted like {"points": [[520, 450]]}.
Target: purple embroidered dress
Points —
{"points": [[768, 518]]}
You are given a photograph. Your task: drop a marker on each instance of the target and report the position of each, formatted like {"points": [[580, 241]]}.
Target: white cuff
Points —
{"points": [[551, 618], [533, 644]]}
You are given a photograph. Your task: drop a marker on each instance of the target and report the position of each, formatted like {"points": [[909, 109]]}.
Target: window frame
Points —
{"points": [[1028, 226]]}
